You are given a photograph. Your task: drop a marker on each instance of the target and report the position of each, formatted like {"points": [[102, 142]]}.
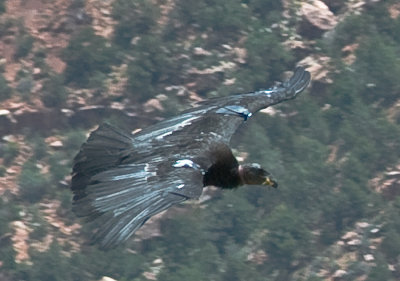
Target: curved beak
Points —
{"points": [[269, 181]]}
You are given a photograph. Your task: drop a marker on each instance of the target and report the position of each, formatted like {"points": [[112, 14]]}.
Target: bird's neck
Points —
{"points": [[223, 177]]}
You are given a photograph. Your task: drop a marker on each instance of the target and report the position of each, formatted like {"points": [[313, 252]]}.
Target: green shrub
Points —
{"points": [[260, 67], [77, 4], [2, 6], [51, 265], [39, 60], [379, 272], [267, 10], [32, 184], [119, 263], [239, 269], [24, 44], [25, 86], [391, 244], [38, 224], [54, 94], [39, 232], [220, 16], [149, 66], [9, 152], [135, 18], [239, 220], [3, 171], [74, 140], [65, 197], [5, 90], [348, 32], [378, 67], [4, 218], [288, 238], [140, 81], [7, 257], [7, 24], [39, 147], [58, 167], [183, 238], [86, 54], [98, 82]]}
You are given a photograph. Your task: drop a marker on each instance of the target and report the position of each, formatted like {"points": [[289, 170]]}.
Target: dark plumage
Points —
{"points": [[121, 180]]}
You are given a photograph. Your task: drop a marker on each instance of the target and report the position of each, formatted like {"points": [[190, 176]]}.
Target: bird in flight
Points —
{"points": [[120, 180]]}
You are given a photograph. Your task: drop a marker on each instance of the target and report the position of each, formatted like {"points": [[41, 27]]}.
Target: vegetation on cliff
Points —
{"points": [[335, 150]]}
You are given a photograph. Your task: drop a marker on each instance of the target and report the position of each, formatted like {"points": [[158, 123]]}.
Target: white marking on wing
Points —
{"points": [[184, 163], [169, 126], [140, 174], [176, 127]]}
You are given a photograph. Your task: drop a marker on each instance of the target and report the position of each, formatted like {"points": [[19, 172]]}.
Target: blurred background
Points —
{"points": [[68, 65]]}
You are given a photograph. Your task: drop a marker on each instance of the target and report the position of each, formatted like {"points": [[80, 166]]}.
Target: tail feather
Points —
{"points": [[116, 197], [118, 228], [102, 151], [117, 190]]}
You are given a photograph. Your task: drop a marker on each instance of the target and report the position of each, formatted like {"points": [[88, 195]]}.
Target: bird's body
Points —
{"points": [[123, 179]]}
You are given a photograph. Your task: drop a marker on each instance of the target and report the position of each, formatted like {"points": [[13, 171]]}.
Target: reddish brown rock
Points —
{"points": [[317, 19]]}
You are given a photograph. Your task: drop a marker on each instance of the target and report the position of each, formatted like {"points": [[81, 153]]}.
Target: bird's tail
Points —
{"points": [[101, 151], [116, 197], [118, 202]]}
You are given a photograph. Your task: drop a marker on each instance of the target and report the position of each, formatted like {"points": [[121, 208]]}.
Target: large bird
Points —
{"points": [[121, 180]]}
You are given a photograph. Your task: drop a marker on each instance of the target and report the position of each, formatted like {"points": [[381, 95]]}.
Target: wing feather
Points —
{"points": [[119, 186], [118, 229], [221, 117]]}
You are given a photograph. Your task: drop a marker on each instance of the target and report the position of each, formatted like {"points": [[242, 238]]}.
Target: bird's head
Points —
{"points": [[255, 175]]}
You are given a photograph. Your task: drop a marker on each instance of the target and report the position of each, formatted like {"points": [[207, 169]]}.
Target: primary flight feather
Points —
{"points": [[121, 180]]}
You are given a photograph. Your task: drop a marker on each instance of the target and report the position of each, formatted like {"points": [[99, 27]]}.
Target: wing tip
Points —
{"points": [[300, 80]]}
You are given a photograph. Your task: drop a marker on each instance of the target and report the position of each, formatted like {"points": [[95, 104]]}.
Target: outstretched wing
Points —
{"points": [[120, 186], [217, 119]]}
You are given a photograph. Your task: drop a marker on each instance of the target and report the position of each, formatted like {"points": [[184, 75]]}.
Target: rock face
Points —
{"points": [[394, 10], [390, 187], [318, 66], [317, 19], [20, 239], [101, 13]]}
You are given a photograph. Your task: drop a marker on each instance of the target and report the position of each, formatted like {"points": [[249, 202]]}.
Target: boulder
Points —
{"points": [[317, 19]]}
